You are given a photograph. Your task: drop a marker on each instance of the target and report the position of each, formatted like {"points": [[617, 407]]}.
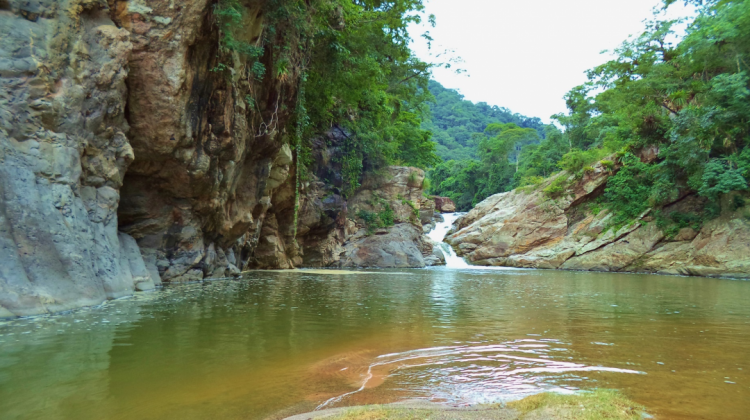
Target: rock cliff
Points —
{"points": [[134, 149], [525, 228], [64, 152], [331, 231]]}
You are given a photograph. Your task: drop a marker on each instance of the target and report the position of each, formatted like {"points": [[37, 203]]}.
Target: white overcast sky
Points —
{"points": [[525, 55]]}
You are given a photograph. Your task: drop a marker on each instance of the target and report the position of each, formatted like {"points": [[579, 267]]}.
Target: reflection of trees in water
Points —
{"points": [[57, 367]]}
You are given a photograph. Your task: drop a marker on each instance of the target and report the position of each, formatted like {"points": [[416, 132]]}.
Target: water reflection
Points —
{"points": [[281, 343]]}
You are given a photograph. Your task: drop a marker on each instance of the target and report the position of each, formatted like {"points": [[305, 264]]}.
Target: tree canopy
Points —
{"points": [[454, 121], [355, 70], [688, 101]]}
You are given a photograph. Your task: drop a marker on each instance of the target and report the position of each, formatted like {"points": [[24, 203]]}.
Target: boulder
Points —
{"points": [[444, 205], [398, 248]]}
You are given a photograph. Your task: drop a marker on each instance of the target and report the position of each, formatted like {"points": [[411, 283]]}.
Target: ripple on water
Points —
{"points": [[478, 374]]}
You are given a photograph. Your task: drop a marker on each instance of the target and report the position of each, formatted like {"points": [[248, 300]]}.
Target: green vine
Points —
{"points": [[231, 16], [302, 121]]}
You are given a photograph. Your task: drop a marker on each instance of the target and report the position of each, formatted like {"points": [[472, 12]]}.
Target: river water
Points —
{"points": [[274, 344]]}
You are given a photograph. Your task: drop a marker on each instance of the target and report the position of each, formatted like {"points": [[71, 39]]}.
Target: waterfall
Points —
{"points": [[438, 235]]}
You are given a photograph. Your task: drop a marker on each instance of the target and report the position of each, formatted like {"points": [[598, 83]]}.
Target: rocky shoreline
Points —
{"points": [[527, 229]]}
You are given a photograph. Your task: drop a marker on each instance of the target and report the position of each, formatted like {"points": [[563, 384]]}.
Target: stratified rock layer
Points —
{"points": [[64, 151], [526, 229]]}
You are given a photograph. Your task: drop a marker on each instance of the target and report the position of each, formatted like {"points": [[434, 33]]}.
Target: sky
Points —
{"points": [[525, 55]]}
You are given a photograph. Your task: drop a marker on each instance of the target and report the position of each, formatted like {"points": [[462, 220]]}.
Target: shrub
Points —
{"points": [[719, 177], [413, 177], [531, 181], [628, 193], [608, 165], [378, 220], [557, 187], [576, 160], [426, 184], [738, 202], [672, 223], [595, 208]]}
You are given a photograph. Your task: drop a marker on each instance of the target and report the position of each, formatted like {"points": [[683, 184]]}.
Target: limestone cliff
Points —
{"points": [[64, 152], [135, 149], [524, 228]]}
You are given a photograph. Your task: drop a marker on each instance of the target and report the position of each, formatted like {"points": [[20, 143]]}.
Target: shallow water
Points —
{"points": [[280, 343]]}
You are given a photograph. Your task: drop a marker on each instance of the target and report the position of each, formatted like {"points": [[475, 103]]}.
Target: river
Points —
{"points": [[272, 344]]}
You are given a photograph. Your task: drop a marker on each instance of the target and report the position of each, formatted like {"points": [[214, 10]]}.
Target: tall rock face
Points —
{"points": [[206, 165], [331, 231], [136, 148], [128, 150], [64, 151], [524, 228]]}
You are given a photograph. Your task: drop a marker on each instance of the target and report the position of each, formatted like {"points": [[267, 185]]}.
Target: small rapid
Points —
{"points": [[438, 235]]}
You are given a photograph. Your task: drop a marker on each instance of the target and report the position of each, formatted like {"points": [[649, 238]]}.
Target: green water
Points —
{"points": [[280, 343]]}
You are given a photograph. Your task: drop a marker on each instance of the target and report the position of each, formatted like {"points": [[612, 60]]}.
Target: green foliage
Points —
{"points": [[557, 187], [469, 182], [738, 202], [363, 76], [543, 159], [381, 219], [457, 124], [412, 177], [691, 101], [231, 16], [595, 208], [672, 223], [576, 160], [720, 178], [426, 185], [414, 218], [629, 192], [348, 63]]}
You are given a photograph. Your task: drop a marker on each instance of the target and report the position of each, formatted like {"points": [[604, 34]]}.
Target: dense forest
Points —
{"points": [[482, 146], [356, 71], [457, 124], [485, 149], [689, 101]]}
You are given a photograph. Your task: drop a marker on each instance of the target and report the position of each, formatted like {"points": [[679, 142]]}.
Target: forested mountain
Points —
{"points": [[455, 122]]}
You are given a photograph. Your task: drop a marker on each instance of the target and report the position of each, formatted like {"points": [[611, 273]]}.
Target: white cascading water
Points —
{"points": [[438, 235]]}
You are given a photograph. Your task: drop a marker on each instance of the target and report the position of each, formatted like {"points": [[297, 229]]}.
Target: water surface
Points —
{"points": [[273, 344]]}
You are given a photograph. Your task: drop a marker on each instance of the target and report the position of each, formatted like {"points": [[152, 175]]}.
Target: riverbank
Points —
{"points": [[571, 229], [596, 405]]}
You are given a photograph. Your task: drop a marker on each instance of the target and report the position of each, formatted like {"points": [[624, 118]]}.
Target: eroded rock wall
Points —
{"points": [[64, 151], [135, 148], [524, 228], [129, 153], [329, 231], [206, 164]]}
